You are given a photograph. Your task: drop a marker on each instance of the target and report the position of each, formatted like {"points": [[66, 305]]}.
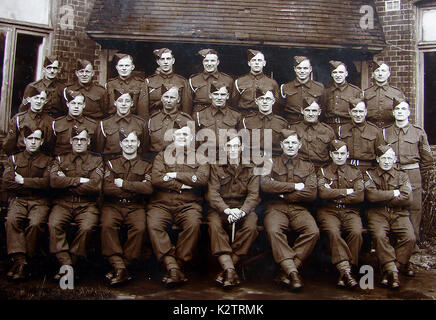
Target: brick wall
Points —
{"points": [[70, 41], [399, 29]]}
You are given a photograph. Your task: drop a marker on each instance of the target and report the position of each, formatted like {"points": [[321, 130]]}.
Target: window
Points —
{"points": [[393, 5]]}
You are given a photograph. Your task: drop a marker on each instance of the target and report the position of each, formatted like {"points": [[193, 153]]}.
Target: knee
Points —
{"points": [[138, 228], [35, 223], [86, 227], [355, 233]]}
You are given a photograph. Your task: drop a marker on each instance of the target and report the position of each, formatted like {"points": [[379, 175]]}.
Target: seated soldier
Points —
{"points": [[233, 194], [26, 178], [178, 200], [126, 181], [341, 190], [388, 190], [77, 177], [289, 188]]}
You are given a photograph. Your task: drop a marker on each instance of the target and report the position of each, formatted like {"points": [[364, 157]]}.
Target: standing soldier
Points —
{"points": [[108, 143], [126, 181], [95, 95], [165, 76], [291, 185], [178, 200], [388, 190], [199, 84], [126, 82], [244, 90], [362, 137], [77, 177], [295, 92], [335, 99], [52, 85], [342, 191], [414, 155], [233, 194], [62, 126], [34, 117], [315, 136], [379, 98], [26, 178]]}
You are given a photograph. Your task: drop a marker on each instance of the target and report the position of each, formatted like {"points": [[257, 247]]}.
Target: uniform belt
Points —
{"points": [[356, 162], [178, 192], [125, 200], [73, 198], [338, 120], [341, 205], [409, 166]]}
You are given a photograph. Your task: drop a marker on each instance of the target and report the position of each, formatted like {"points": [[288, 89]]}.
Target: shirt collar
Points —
{"points": [[298, 83], [126, 80], [341, 86], [207, 75], [268, 116], [404, 129], [257, 76], [126, 117], [78, 119], [164, 75]]}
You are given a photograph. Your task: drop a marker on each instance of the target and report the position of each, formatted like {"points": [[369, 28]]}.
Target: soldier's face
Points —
{"points": [[34, 141], [85, 75], [358, 113], [339, 74], [233, 149], [76, 106], [401, 111], [266, 102], [51, 71], [80, 142], [37, 102], [211, 62], [257, 63], [170, 99], [125, 67], [123, 104], [340, 156], [387, 160], [291, 145], [166, 62], [219, 98], [312, 113], [382, 74], [303, 70], [182, 137], [130, 144]]}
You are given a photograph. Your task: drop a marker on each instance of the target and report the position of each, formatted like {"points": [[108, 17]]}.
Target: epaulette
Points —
{"points": [[280, 118], [372, 124], [225, 74], [194, 75], [396, 88], [233, 109], [98, 85], [179, 76], [154, 114], [137, 117], [59, 118], [319, 84], [250, 115], [416, 126], [94, 154], [21, 113], [353, 86], [185, 114], [90, 119]]}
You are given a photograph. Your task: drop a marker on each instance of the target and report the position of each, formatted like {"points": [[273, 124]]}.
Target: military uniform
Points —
{"points": [[244, 92], [124, 205], [286, 208], [74, 201], [199, 87], [379, 101], [414, 157], [62, 126], [294, 93], [14, 143], [108, 140], [134, 85]]}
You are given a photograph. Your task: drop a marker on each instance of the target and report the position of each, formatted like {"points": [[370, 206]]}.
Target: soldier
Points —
{"points": [[388, 190], [290, 186], [244, 91], [126, 82], [62, 126], [52, 85], [263, 121], [32, 118], [77, 176], [379, 98], [26, 178], [362, 137], [315, 135], [108, 143], [294, 92], [165, 76], [170, 117], [199, 84], [127, 179], [414, 156], [342, 191], [95, 95], [233, 194], [178, 200], [336, 98]]}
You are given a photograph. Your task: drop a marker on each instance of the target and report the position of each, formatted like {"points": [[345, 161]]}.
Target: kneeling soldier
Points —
{"points": [[126, 181], [77, 176], [389, 191], [341, 189], [291, 184], [26, 178], [233, 194]]}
